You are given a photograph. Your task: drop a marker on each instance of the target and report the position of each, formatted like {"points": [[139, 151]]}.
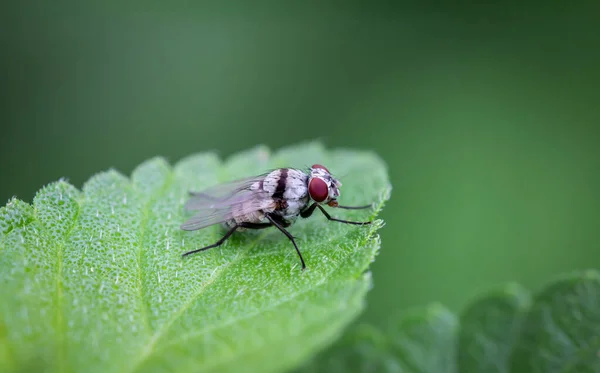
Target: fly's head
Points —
{"points": [[322, 187]]}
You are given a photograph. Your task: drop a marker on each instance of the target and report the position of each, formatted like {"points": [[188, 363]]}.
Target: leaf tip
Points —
{"points": [[520, 295], [512, 296], [151, 174], [56, 204], [435, 314], [591, 274], [14, 214], [105, 179], [569, 282], [159, 162], [198, 163], [438, 312], [387, 192], [57, 189]]}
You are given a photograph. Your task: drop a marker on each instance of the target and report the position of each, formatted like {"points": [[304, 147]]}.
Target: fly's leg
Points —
{"points": [[229, 233], [308, 212], [341, 220], [288, 235], [354, 207], [255, 225]]}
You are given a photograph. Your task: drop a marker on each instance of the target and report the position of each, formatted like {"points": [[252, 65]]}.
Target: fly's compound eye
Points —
{"points": [[318, 190], [320, 166]]}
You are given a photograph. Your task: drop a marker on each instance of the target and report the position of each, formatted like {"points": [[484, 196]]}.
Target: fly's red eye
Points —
{"points": [[320, 166], [318, 190]]}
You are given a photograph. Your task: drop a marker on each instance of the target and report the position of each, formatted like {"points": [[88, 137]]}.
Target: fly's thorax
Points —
{"points": [[322, 187], [286, 184], [296, 188], [290, 193]]}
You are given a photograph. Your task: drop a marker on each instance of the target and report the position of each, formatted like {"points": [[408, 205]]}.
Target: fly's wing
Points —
{"points": [[223, 202], [211, 216], [223, 194]]}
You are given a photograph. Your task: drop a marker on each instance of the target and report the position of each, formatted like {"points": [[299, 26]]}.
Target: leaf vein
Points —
{"points": [[147, 350], [59, 322]]}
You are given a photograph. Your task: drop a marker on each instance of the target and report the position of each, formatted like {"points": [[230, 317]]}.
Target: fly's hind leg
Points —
{"points": [[228, 234]]}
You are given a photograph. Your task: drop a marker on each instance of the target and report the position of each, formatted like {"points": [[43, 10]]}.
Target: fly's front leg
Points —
{"points": [[341, 220], [308, 212], [354, 207]]}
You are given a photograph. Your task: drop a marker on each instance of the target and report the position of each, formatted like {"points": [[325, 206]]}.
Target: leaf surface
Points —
{"points": [[93, 280], [562, 331], [505, 330], [490, 329], [418, 341]]}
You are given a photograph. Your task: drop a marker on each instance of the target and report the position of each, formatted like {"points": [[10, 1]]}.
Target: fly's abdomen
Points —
{"points": [[249, 212]]}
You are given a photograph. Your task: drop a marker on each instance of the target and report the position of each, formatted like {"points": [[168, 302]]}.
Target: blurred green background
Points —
{"points": [[487, 115]]}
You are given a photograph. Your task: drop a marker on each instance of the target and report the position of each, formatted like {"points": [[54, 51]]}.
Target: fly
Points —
{"points": [[274, 199]]}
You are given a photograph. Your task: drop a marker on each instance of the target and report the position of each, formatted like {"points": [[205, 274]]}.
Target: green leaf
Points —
{"points": [[501, 331], [490, 328], [362, 349], [424, 341], [93, 280], [562, 331], [419, 341]]}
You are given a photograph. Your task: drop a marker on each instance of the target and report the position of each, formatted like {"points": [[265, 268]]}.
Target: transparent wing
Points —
{"points": [[206, 219], [222, 202], [223, 195]]}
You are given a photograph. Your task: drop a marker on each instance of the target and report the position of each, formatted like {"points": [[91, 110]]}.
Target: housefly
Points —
{"points": [[274, 199]]}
